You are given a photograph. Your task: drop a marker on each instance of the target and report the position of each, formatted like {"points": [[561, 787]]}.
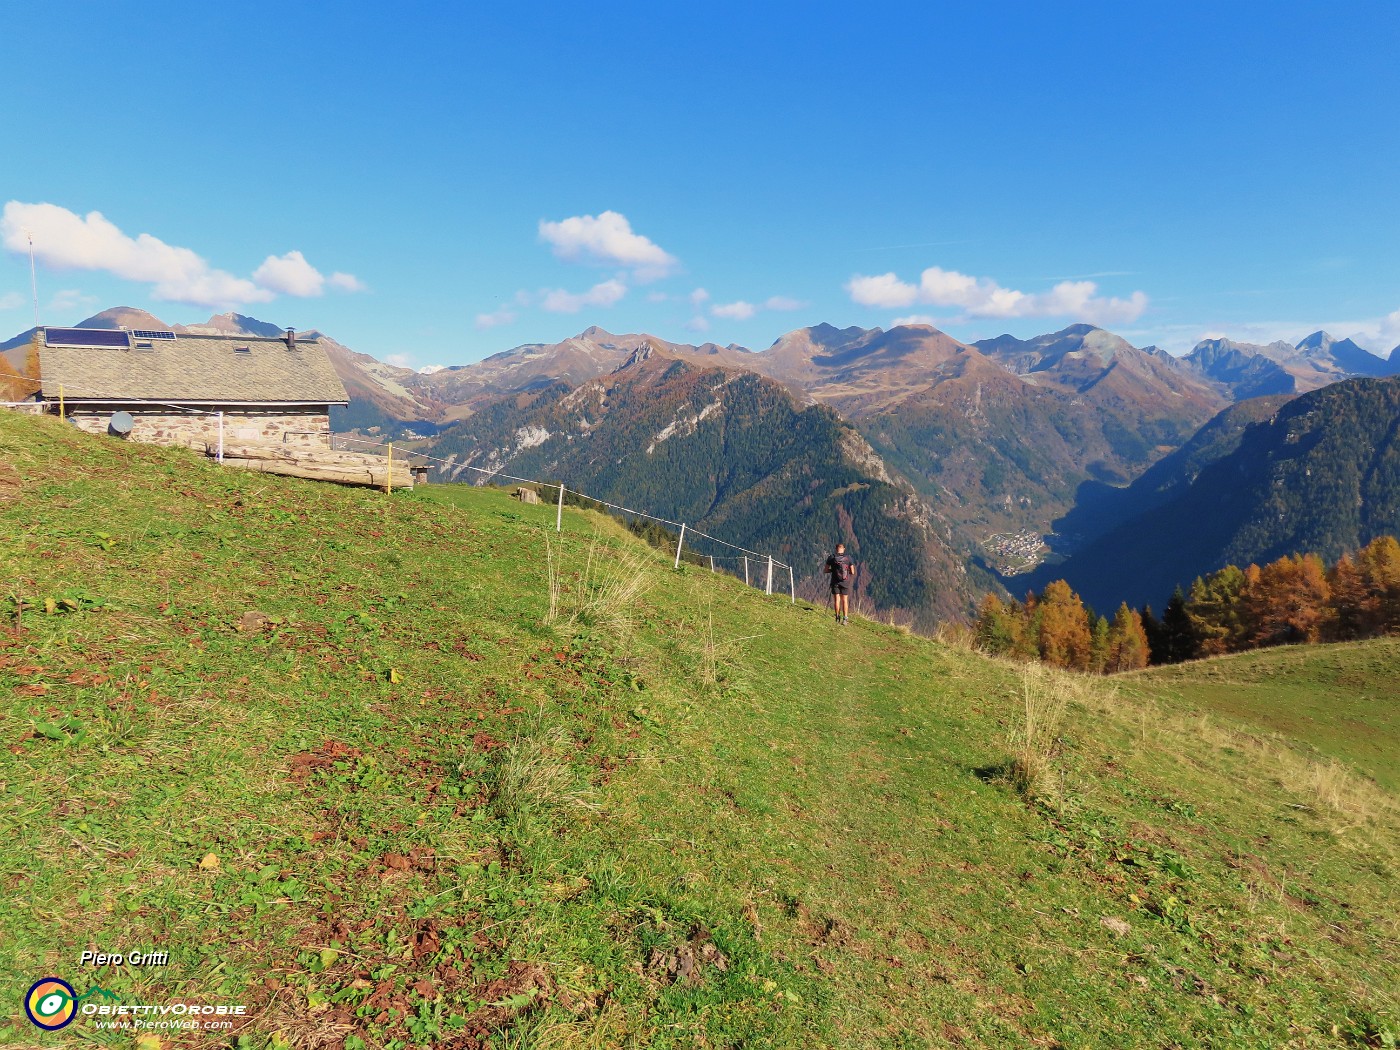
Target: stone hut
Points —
{"points": [[172, 387]]}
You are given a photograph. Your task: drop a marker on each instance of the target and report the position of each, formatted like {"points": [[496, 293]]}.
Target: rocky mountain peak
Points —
{"points": [[643, 353], [231, 323], [1318, 341]]}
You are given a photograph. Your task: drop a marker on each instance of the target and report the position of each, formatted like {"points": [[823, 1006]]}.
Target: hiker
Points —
{"points": [[843, 573]]}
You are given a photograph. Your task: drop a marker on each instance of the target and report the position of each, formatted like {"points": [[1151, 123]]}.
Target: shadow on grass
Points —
{"points": [[997, 774]]}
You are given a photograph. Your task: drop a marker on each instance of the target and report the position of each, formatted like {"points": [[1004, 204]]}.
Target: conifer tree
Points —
{"points": [[1380, 564], [1156, 636], [1214, 611], [1286, 600], [997, 627], [1178, 637], [1063, 627], [1099, 646], [1127, 641], [1354, 611]]}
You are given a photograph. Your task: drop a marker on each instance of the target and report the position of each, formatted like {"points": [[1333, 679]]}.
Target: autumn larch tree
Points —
{"points": [[1064, 635]]}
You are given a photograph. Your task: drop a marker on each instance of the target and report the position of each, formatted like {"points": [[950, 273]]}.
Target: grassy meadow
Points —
{"points": [[416, 771]]}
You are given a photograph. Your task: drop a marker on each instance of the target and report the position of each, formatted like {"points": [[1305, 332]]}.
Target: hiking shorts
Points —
{"points": [[844, 587]]}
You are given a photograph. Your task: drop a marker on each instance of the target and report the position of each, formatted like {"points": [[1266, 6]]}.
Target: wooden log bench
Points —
{"points": [[343, 468]]}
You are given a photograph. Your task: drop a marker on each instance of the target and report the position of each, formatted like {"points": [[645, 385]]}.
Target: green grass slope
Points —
{"points": [[413, 771], [1336, 700]]}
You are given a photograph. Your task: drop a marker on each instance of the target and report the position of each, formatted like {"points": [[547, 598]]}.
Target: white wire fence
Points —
{"points": [[756, 569]]}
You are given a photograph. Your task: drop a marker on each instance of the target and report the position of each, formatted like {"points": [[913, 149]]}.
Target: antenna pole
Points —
{"points": [[33, 277]]}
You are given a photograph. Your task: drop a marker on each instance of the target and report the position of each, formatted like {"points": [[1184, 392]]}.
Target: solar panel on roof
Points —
{"points": [[99, 338], [142, 333]]}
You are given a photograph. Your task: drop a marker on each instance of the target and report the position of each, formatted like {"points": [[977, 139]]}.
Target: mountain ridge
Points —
{"points": [[1004, 437], [732, 453]]}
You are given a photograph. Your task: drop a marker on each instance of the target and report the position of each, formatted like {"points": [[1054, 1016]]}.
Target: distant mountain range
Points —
{"points": [[733, 454], [1252, 370], [992, 453]]}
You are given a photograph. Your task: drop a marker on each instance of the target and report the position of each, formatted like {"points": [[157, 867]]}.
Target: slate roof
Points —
{"points": [[193, 368]]}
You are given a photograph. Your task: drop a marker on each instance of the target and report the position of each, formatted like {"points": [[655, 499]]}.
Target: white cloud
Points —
{"points": [[657, 297], [736, 311], [65, 240], [607, 293], [346, 282], [399, 360], [914, 319], [884, 290], [984, 297], [698, 298], [607, 238], [697, 324], [428, 370], [742, 309], [68, 241], [1389, 329], [290, 274], [499, 316], [11, 301]]}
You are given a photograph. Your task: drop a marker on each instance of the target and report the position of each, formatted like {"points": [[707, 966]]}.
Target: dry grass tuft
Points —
{"points": [[1331, 786], [533, 774], [1033, 741], [603, 594], [720, 659], [1047, 694], [955, 635]]}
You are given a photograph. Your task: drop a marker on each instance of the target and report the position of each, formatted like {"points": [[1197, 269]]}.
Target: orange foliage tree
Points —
{"points": [[1064, 634], [1127, 642], [1286, 600]]}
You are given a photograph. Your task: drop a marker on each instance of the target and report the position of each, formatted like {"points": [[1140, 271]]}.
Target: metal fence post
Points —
{"points": [[746, 570], [679, 541], [792, 587], [712, 563], [559, 512], [221, 437], [768, 588], [389, 474]]}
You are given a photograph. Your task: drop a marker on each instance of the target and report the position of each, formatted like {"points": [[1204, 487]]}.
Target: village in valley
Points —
{"points": [[1016, 552]]}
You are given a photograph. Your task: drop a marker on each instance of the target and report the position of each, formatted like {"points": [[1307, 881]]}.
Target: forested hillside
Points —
{"points": [[1320, 475], [1098, 508]]}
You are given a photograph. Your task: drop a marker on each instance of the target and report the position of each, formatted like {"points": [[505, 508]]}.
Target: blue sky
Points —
{"points": [[440, 182]]}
